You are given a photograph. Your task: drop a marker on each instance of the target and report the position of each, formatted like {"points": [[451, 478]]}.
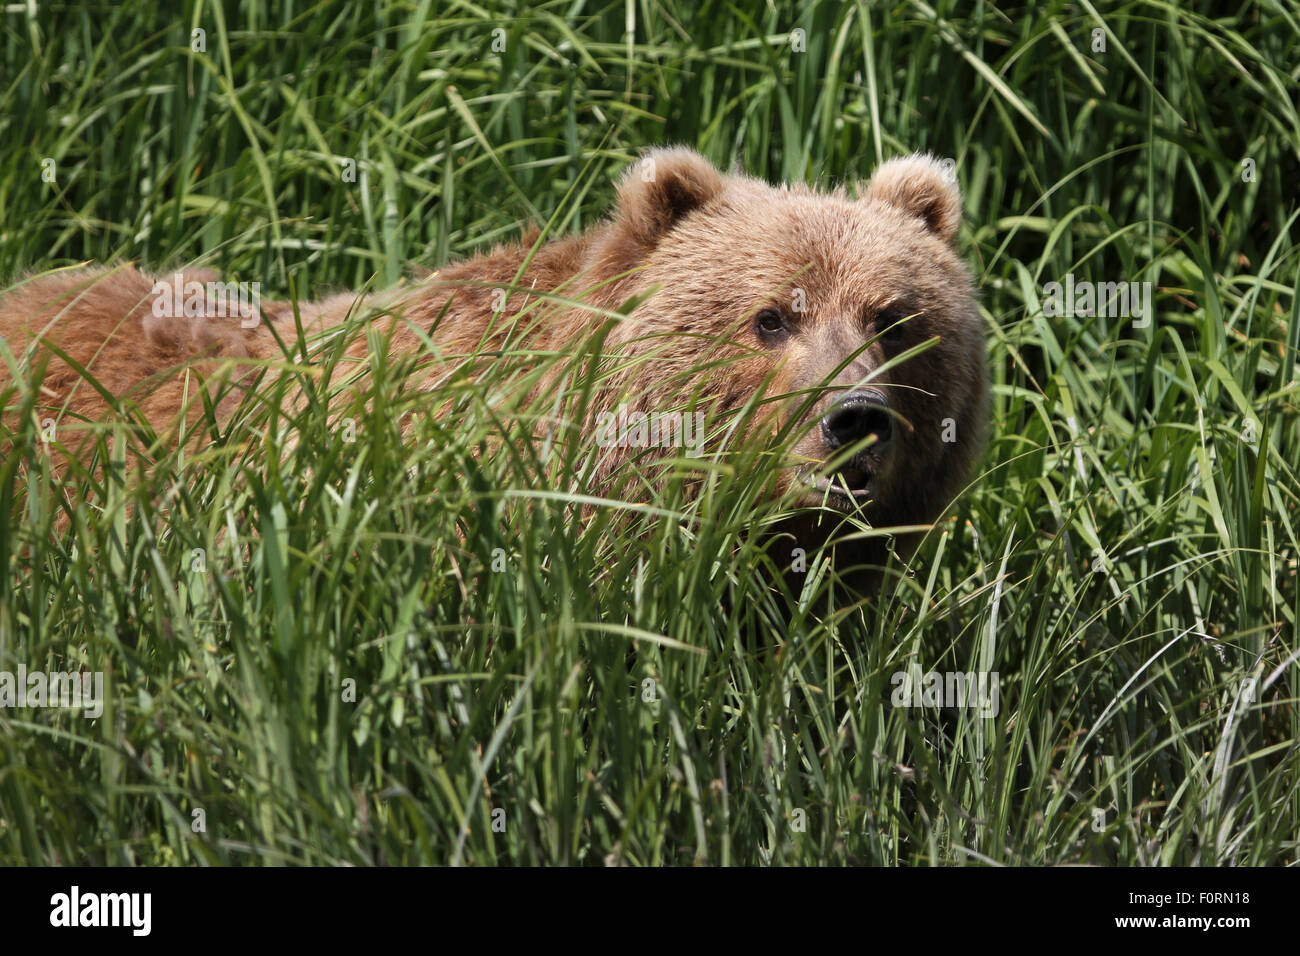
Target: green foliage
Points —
{"points": [[1126, 560]]}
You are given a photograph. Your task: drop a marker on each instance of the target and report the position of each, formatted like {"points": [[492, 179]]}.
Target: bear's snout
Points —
{"points": [[857, 416]]}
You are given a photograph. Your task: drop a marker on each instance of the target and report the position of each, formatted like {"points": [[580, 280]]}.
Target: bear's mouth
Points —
{"points": [[854, 484]]}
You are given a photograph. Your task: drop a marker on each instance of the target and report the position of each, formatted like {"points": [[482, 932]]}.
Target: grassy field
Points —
{"points": [[417, 648]]}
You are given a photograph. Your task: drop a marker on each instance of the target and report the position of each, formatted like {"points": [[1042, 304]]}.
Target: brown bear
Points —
{"points": [[808, 294]]}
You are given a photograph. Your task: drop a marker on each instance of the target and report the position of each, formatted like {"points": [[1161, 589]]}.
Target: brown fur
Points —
{"points": [[719, 248]]}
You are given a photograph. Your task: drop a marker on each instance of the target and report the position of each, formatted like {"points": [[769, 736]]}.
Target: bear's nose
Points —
{"points": [[855, 417]]}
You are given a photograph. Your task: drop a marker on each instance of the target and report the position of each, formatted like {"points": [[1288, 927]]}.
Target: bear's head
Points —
{"points": [[821, 296]]}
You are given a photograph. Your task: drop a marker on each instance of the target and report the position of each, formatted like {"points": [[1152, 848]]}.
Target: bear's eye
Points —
{"points": [[889, 323], [771, 324]]}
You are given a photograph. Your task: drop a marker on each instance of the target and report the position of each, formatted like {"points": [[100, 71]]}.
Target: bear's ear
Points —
{"points": [[920, 186], [660, 188]]}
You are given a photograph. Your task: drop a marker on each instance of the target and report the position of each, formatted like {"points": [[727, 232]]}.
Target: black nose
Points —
{"points": [[856, 416]]}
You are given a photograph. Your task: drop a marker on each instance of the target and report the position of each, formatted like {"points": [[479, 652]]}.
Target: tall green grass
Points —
{"points": [[628, 688]]}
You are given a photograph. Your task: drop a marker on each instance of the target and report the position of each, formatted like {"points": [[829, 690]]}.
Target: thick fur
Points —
{"points": [[719, 249]]}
